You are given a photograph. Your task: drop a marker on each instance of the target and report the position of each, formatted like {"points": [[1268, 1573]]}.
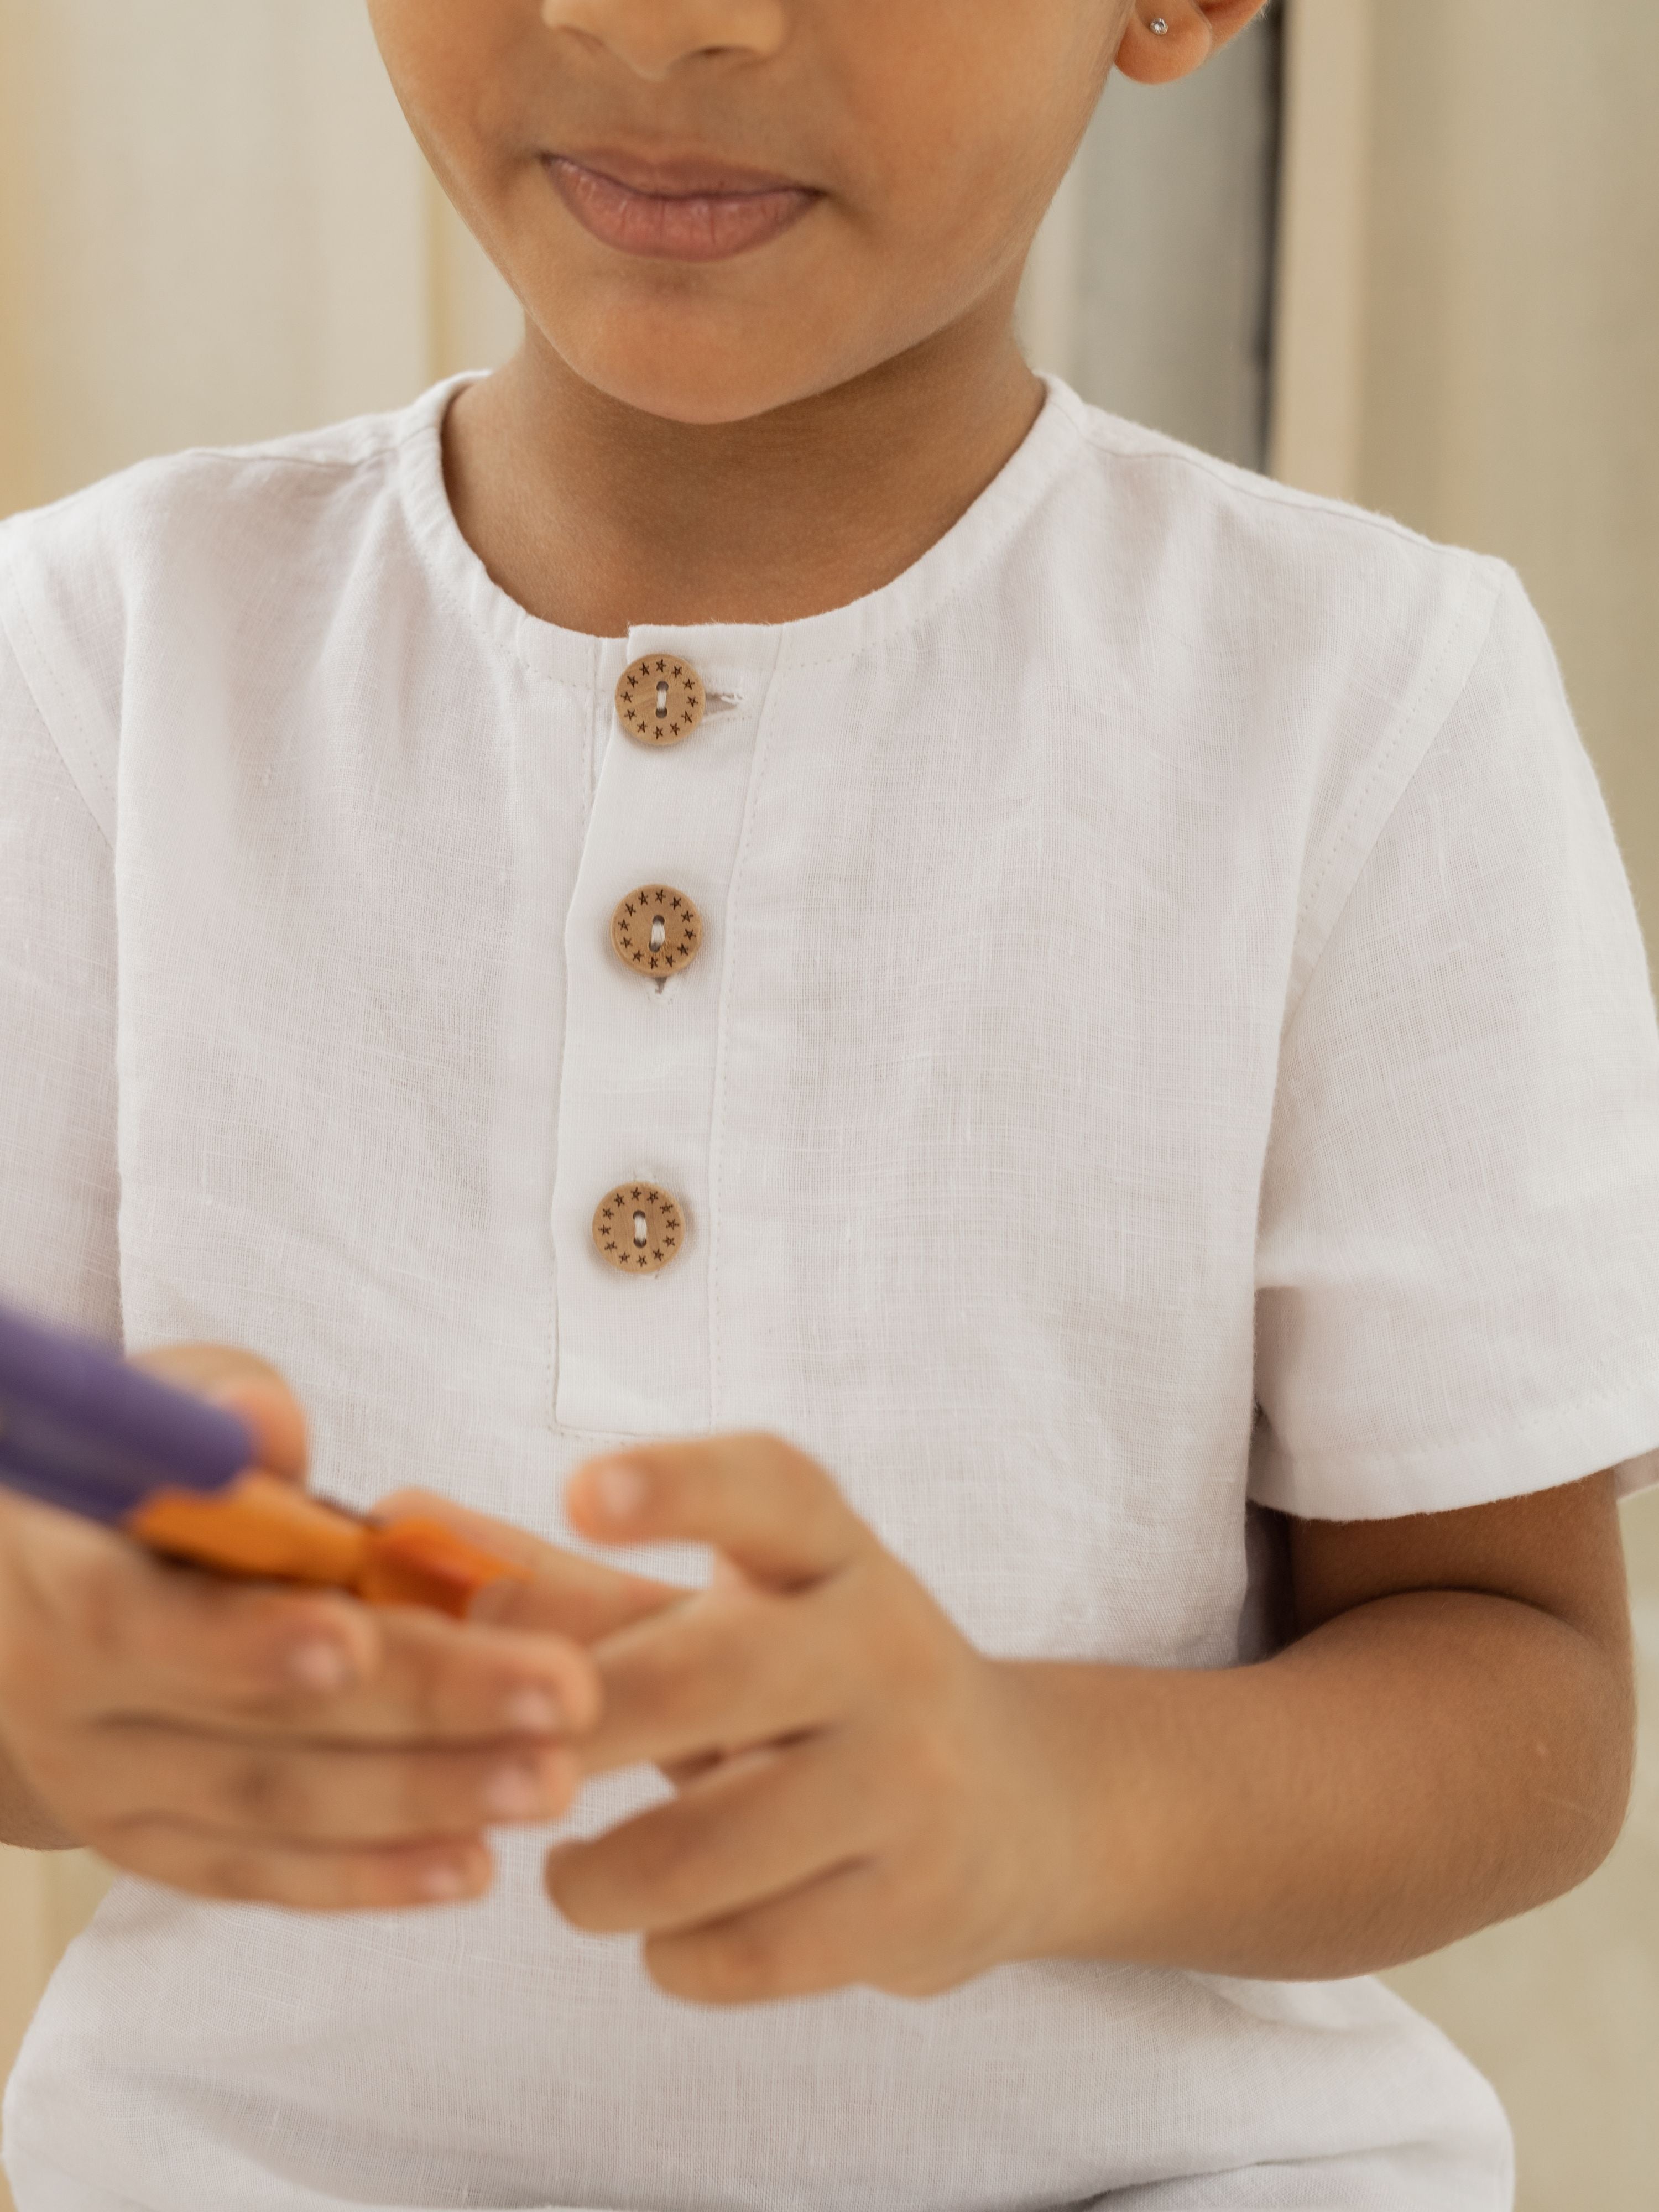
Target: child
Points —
{"points": [[1135, 1168]]}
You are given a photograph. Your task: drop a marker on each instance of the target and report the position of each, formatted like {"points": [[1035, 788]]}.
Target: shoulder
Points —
{"points": [[163, 511], [1248, 544], [1320, 651], [226, 543]]}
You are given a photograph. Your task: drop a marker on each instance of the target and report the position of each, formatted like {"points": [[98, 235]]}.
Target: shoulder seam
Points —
{"points": [[1500, 574], [269, 456], [1356, 804], [1266, 490]]}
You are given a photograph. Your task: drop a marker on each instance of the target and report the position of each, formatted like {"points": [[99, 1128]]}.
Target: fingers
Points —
{"points": [[865, 1922], [728, 1671], [431, 1679], [88, 1603], [245, 1742], [754, 1828], [127, 1635], [569, 1594], [801, 1944], [244, 1870], [176, 1643], [768, 1507], [249, 1386], [310, 1796], [855, 1823]]}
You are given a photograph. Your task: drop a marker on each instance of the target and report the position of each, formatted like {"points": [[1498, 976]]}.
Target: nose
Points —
{"points": [[653, 37]]}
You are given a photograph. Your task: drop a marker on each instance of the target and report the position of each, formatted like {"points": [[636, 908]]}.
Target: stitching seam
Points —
{"points": [[717, 1118], [1407, 722]]}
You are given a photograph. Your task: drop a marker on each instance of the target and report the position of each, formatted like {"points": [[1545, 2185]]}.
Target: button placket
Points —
{"points": [[637, 1089]]}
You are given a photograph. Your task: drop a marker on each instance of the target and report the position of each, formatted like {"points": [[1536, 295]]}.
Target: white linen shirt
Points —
{"points": [[1171, 1033]]}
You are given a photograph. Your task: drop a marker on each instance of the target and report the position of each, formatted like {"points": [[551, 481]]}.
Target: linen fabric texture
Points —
{"points": [[1172, 1038]]}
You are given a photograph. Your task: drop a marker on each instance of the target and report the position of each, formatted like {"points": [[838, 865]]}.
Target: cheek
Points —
{"points": [[470, 81]]}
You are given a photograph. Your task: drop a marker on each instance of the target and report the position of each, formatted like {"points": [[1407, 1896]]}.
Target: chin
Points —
{"points": [[716, 397], [689, 369]]}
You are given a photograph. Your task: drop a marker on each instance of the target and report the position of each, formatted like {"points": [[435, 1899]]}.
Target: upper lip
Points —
{"points": [[688, 177]]}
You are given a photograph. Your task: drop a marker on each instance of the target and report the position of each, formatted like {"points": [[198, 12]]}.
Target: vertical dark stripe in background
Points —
{"points": [[1270, 31], [1176, 260]]}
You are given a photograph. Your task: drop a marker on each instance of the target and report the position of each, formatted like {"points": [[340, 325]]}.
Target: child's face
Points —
{"points": [[872, 171]]}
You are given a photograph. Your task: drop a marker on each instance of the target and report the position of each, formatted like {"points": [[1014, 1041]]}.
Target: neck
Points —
{"points": [[594, 516]]}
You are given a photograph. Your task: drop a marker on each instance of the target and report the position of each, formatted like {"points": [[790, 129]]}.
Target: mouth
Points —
{"points": [[677, 211]]}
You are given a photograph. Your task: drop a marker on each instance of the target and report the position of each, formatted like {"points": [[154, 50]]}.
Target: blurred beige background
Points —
{"points": [[1469, 339], [213, 227]]}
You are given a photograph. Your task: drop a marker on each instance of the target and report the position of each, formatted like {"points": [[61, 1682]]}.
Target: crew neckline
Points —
{"points": [[838, 633]]}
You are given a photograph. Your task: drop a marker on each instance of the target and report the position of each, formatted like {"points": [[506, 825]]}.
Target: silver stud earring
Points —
{"points": [[1160, 29]]}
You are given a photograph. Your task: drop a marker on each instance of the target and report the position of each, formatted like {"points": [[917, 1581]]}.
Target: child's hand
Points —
{"points": [[859, 1801], [865, 1798], [247, 1741]]}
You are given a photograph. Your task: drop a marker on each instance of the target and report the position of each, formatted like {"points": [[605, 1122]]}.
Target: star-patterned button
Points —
{"points": [[659, 699], [656, 931], [638, 1229]]}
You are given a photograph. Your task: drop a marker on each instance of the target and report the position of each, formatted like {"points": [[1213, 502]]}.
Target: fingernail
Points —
{"points": [[533, 1712], [514, 1793], [319, 1667], [444, 1880], [623, 1489]]}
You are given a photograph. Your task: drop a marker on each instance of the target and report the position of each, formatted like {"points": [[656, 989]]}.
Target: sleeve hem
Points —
{"points": [[1618, 1430]]}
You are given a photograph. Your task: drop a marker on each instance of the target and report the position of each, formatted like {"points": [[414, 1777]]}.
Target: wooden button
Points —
{"points": [[638, 1229], [660, 700], [657, 931]]}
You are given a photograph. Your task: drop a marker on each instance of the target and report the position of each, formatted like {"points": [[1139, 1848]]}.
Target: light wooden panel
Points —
{"points": [[214, 228], [1323, 274], [1512, 352]]}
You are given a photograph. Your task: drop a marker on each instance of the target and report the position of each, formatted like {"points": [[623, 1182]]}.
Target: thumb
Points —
{"points": [[243, 1383]]}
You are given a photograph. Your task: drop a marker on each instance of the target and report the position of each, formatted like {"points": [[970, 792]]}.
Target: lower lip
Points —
{"points": [[661, 227]]}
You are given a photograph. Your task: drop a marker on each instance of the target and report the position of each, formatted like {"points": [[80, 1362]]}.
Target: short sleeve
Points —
{"points": [[1457, 1285], [59, 1185]]}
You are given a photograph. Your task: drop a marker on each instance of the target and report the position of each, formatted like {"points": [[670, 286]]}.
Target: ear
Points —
{"points": [[1196, 29]]}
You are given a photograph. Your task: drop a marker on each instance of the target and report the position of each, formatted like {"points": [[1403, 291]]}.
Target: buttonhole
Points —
{"points": [[662, 702], [658, 932], [642, 1230]]}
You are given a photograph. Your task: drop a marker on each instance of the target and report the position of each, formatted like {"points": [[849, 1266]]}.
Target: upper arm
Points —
{"points": [[1558, 1551], [1458, 1242]]}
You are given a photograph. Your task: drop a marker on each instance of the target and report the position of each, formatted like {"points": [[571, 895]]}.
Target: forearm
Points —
{"points": [[1418, 1768]]}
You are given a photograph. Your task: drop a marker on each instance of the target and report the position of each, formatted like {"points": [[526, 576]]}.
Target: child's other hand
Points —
{"points": [[861, 1800], [247, 1741]]}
